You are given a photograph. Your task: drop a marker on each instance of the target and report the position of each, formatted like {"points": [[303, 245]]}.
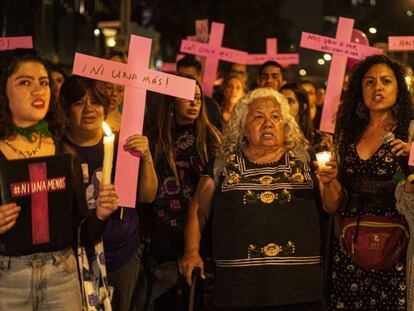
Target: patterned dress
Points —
{"points": [[352, 287], [266, 234], [169, 209]]}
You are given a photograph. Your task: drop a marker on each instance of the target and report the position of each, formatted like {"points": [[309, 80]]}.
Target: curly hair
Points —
{"points": [[9, 63], [234, 133], [353, 116]]}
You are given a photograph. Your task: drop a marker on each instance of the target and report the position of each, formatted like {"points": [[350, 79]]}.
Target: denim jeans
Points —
{"points": [[41, 281]]}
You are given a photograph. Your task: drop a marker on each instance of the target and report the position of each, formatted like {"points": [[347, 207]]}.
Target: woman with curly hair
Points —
{"points": [[38, 268], [183, 142], [266, 211], [371, 133]]}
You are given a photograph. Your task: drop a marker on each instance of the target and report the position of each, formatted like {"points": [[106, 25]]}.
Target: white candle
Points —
{"points": [[109, 139], [322, 158]]}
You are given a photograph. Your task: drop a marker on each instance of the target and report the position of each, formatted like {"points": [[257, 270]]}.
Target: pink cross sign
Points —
{"points": [[285, 59], [12, 43], [137, 79], [213, 52], [341, 48], [171, 67], [401, 43], [201, 26]]}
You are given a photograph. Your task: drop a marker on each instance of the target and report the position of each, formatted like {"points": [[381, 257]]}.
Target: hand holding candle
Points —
{"points": [[109, 139], [322, 158]]}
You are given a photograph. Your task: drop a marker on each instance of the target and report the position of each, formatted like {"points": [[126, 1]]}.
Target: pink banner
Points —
{"points": [[337, 47], [285, 59], [404, 43], [11, 43], [137, 78]]}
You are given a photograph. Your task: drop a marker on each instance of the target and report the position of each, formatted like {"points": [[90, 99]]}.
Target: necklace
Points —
{"points": [[27, 153]]}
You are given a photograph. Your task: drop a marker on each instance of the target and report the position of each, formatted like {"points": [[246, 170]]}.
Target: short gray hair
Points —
{"points": [[234, 141]]}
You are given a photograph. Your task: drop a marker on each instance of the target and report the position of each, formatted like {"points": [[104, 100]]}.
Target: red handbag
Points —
{"points": [[374, 242]]}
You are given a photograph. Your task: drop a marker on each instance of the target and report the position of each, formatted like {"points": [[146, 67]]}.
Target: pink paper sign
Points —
{"points": [[137, 78], [337, 47], [213, 52], [285, 59], [12, 43], [404, 43], [341, 48], [411, 158], [171, 67]]}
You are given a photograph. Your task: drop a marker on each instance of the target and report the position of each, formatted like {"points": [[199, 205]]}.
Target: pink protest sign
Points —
{"points": [[337, 47], [404, 43], [285, 59], [213, 52], [341, 48], [137, 78], [11, 43]]}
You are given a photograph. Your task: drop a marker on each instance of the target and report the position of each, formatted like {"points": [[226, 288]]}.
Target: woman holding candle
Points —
{"points": [[30, 128], [86, 106], [376, 103], [183, 141], [265, 203]]}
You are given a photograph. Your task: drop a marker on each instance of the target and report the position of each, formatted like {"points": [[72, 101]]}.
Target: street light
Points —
{"points": [[372, 30]]}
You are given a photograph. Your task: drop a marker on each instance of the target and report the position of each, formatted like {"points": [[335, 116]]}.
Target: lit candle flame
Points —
{"points": [[106, 129]]}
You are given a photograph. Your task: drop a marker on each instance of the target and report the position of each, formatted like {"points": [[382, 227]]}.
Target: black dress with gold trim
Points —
{"points": [[266, 234]]}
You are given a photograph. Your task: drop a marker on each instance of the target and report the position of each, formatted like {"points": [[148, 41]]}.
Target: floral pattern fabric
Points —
{"points": [[352, 287]]}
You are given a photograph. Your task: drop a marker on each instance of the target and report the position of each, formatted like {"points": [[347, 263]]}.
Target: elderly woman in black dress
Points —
{"points": [[267, 207]]}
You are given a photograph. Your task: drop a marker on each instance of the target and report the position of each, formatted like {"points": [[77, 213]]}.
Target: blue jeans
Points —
{"points": [[41, 281]]}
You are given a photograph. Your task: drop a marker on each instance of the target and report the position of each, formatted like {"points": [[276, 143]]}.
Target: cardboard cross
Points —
{"points": [[341, 49], [38, 188], [137, 79], [213, 52], [285, 59], [11, 43]]}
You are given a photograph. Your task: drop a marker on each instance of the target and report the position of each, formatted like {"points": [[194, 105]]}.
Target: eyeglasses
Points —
{"points": [[183, 100]]}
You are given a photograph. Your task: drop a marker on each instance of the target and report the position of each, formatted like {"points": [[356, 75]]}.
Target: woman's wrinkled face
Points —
{"points": [[379, 88], [187, 111], [233, 91], [86, 115], [28, 93], [293, 102], [264, 126]]}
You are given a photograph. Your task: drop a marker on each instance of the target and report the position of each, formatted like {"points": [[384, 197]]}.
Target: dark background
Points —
{"points": [[61, 27]]}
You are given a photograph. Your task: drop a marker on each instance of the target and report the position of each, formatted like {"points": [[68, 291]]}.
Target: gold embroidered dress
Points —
{"points": [[266, 234]]}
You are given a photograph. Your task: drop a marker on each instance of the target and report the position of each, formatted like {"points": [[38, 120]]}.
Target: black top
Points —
{"points": [[266, 234], [63, 229]]}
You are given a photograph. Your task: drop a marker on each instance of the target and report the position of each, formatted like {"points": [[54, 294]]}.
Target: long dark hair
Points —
{"points": [[9, 62], [353, 116], [305, 122], [161, 137]]}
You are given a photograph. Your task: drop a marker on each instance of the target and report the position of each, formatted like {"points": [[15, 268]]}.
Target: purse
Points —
{"points": [[374, 242], [96, 293]]}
